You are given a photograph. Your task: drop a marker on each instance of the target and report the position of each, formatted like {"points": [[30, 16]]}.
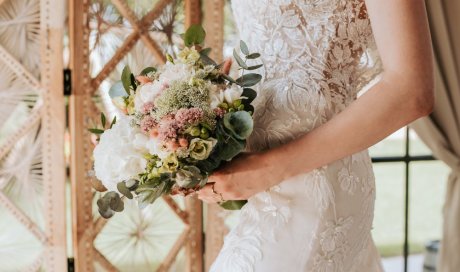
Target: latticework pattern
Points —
{"points": [[32, 226], [118, 33]]}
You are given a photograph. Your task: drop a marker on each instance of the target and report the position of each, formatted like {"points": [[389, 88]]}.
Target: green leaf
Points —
{"points": [[205, 51], [249, 80], [253, 56], [109, 204], [244, 48], [207, 60], [126, 78], [228, 78], [239, 60], [103, 119], [114, 121], [233, 204], [170, 58], [254, 67], [239, 123], [250, 94], [148, 70], [96, 130], [117, 90], [121, 186], [195, 34]]}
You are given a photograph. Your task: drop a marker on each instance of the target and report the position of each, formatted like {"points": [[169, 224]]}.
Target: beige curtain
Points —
{"points": [[441, 130]]}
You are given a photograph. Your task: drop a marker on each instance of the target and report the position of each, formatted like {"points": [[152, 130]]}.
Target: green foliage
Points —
{"points": [[244, 48], [250, 94], [128, 80], [152, 189], [239, 60], [249, 80], [239, 124], [109, 204], [233, 204], [194, 35], [148, 70]]}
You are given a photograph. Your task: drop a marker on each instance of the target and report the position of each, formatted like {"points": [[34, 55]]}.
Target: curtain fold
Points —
{"points": [[441, 130]]}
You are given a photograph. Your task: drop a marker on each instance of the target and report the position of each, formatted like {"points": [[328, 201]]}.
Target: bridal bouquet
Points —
{"points": [[180, 123]]}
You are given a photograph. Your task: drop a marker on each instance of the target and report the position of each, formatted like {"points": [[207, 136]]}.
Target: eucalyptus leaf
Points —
{"points": [[233, 204], [123, 189], [253, 56], [195, 34], [239, 60], [148, 70], [244, 48], [249, 80], [126, 78], [250, 94], [255, 67], [117, 90], [207, 60], [109, 204], [239, 123]]}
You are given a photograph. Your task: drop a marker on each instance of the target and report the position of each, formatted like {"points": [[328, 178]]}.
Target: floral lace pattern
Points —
{"points": [[317, 56]]}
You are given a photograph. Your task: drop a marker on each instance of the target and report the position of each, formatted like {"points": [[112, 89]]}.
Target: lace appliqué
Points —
{"points": [[319, 189], [334, 246], [260, 218]]}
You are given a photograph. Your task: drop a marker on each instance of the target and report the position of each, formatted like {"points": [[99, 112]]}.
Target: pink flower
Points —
{"points": [[167, 129], [147, 107], [188, 117], [148, 123], [143, 79], [219, 112], [172, 145], [183, 142]]}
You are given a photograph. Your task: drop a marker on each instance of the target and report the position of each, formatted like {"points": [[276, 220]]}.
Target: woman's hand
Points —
{"points": [[240, 179]]}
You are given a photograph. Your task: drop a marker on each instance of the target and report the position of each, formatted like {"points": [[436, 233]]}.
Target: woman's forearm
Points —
{"points": [[382, 110]]}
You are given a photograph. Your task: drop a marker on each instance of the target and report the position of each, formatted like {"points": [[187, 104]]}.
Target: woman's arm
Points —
{"points": [[404, 94]]}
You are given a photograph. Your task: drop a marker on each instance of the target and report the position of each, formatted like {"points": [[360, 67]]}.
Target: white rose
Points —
{"points": [[233, 93], [146, 93], [175, 72], [116, 157]]}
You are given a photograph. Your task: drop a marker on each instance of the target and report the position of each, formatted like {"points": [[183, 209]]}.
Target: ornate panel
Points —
{"points": [[32, 121], [106, 35]]}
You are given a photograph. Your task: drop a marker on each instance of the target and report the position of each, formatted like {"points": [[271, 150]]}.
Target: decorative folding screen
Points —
{"points": [[105, 36], [32, 121]]}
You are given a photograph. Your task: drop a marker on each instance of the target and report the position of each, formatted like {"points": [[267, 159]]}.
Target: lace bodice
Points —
{"points": [[317, 55]]}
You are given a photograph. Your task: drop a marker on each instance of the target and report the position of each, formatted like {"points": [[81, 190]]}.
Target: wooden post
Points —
{"points": [[53, 127], [80, 101], [194, 247], [213, 23]]}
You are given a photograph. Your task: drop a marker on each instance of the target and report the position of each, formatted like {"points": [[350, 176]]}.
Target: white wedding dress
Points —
{"points": [[317, 55]]}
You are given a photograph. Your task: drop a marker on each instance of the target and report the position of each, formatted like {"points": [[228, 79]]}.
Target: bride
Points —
{"points": [[308, 178]]}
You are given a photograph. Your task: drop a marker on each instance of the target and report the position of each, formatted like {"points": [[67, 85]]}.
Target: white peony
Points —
{"points": [[175, 72], [152, 145], [147, 93], [117, 158]]}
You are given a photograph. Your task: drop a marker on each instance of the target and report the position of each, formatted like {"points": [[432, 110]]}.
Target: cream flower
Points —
{"points": [[200, 149]]}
